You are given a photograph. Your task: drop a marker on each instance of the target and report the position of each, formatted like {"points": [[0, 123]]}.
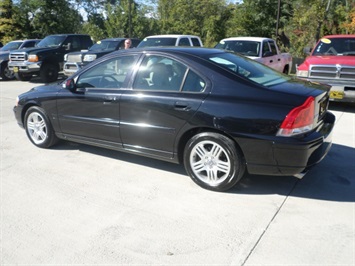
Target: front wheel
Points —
{"points": [[213, 161], [5, 72], [48, 73], [38, 128]]}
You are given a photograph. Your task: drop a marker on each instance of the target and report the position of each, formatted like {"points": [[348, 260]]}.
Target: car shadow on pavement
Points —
{"points": [[333, 179]]}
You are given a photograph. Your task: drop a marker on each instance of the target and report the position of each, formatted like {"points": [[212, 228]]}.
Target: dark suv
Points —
{"points": [[76, 60], [5, 73], [47, 58]]}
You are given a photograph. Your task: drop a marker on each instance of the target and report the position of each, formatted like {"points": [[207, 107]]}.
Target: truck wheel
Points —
{"points": [[23, 77], [5, 73], [285, 70], [48, 73]]}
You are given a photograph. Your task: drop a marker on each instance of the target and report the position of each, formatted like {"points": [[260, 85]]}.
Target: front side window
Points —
{"points": [[159, 73], [108, 74]]}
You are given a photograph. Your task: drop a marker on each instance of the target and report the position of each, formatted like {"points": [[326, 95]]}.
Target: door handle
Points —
{"points": [[185, 106], [109, 99]]}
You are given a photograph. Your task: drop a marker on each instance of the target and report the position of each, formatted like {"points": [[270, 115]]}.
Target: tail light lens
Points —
{"points": [[299, 120]]}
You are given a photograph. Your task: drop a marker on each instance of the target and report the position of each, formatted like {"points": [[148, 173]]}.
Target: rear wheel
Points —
{"points": [[23, 77], [285, 70], [48, 73], [38, 128], [213, 161], [5, 73]]}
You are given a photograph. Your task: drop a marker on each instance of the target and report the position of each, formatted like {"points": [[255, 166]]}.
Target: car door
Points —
{"points": [[92, 111], [268, 58], [165, 94]]}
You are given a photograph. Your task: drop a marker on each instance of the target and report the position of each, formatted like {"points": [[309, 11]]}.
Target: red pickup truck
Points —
{"points": [[332, 61]]}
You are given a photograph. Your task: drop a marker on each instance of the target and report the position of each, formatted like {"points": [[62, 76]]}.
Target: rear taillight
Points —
{"points": [[299, 120]]}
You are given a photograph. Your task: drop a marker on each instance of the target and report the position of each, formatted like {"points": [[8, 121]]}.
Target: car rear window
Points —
{"points": [[165, 41], [249, 69]]}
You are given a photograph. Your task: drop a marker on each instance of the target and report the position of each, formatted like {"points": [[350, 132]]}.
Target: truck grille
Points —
{"points": [[332, 71], [74, 58], [18, 57]]}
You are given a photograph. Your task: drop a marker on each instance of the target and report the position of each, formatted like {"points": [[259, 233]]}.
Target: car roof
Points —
{"points": [[118, 39], [171, 36], [259, 39], [197, 51], [340, 36]]}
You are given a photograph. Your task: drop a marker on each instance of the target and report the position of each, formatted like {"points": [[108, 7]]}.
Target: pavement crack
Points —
{"points": [[270, 222]]}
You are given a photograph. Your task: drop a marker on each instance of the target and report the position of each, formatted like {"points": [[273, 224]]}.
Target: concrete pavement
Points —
{"points": [[76, 204]]}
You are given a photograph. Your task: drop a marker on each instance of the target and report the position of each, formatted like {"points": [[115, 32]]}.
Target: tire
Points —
{"points": [[213, 161], [38, 128], [285, 70], [23, 77], [5, 73], [48, 73]]}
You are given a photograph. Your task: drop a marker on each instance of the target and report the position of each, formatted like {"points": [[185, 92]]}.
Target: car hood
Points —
{"points": [[37, 49], [330, 60]]}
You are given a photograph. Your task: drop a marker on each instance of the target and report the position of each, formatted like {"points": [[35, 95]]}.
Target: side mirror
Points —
{"points": [[67, 47], [69, 84], [307, 50]]}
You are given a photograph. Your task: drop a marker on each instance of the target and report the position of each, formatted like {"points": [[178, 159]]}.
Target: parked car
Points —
{"points": [[76, 60], [47, 58], [218, 113], [171, 40], [263, 50], [5, 73], [332, 61]]}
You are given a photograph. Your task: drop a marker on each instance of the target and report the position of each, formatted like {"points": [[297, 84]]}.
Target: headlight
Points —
{"points": [[302, 73], [32, 58], [89, 57]]}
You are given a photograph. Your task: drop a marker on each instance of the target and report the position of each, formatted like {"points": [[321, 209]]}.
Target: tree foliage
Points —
{"points": [[298, 23]]}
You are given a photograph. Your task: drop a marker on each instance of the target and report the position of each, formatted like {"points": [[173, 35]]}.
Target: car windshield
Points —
{"points": [[11, 46], [104, 45], [249, 69], [249, 48], [163, 41], [51, 41], [335, 46]]}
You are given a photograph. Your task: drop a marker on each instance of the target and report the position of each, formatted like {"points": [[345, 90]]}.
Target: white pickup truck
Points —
{"points": [[263, 50]]}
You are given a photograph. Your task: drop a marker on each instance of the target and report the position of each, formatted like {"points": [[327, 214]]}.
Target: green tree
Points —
{"points": [[8, 30]]}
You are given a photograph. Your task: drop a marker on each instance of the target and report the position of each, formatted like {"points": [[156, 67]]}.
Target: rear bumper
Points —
{"points": [[288, 156]]}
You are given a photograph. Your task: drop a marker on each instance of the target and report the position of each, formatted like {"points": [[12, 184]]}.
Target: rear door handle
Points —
{"points": [[182, 106]]}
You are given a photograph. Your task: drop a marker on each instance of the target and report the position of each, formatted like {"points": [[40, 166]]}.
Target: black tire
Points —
{"points": [[48, 73], [213, 161], [38, 128], [23, 77], [5, 72], [285, 70]]}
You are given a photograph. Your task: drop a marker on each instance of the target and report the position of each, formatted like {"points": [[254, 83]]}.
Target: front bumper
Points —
{"points": [[72, 67], [25, 67], [341, 90]]}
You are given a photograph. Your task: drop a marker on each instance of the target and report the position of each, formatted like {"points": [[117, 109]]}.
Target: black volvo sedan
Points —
{"points": [[218, 113]]}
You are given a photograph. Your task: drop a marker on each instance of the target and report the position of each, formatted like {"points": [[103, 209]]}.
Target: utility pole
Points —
{"points": [[278, 18], [130, 19]]}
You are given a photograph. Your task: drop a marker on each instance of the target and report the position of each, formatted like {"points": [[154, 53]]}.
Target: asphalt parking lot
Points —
{"points": [[75, 204]]}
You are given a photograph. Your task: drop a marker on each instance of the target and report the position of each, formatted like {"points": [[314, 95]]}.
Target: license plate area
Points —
{"points": [[15, 69]]}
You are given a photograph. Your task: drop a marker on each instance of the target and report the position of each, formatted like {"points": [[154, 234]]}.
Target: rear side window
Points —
{"points": [[195, 42], [184, 42]]}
